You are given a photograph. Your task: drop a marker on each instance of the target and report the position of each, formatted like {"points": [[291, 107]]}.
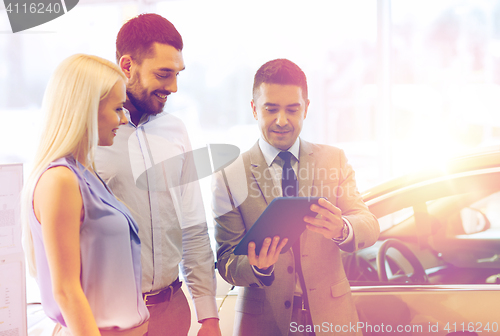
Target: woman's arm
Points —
{"points": [[59, 208]]}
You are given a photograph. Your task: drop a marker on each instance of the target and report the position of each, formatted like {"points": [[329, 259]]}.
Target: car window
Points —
{"points": [[456, 238], [394, 218]]}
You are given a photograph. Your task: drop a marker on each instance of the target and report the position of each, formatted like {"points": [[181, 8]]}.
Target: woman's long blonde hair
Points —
{"points": [[70, 104]]}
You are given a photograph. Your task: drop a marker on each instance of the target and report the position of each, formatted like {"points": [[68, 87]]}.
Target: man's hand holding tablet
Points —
{"points": [[268, 254], [275, 231]]}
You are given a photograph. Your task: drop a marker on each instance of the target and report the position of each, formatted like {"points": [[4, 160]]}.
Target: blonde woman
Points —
{"points": [[82, 244]]}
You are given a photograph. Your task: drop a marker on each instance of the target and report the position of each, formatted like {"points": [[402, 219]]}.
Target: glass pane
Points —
{"points": [[446, 93], [395, 218]]}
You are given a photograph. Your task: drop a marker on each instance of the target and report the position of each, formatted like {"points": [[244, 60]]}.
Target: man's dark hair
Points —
{"points": [[280, 71], [136, 37]]}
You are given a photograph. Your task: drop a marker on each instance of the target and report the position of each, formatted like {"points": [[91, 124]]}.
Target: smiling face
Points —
{"points": [[153, 80], [110, 114], [280, 111]]}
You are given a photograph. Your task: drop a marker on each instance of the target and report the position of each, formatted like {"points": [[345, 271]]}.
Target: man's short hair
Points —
{"points": [[136, 37], [280, 71]]}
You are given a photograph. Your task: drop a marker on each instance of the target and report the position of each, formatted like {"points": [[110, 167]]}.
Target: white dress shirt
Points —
{"points": [[147, 168]]}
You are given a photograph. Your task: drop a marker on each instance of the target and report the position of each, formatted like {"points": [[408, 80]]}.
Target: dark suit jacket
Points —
{"points": [[241, 194]]}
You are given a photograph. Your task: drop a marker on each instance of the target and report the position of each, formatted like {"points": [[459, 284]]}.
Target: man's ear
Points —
{"points": [[126, 63], [307, 107], [254, 109]]}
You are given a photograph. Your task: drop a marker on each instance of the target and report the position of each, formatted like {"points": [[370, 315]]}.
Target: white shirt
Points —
{"points": [[147, 168]]}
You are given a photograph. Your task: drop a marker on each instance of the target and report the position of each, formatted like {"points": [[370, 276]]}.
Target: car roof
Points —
{"points": [[477, 159]]}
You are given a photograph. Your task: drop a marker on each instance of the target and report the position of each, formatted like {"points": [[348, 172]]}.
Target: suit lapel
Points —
{"points": [[261, 174], [306, 177], [306, 169]]}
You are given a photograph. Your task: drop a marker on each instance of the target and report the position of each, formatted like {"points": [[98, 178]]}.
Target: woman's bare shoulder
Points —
{"points": [[57, 186], [58, 177]]}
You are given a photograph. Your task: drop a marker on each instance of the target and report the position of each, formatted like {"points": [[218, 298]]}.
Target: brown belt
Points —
{"points": [[163, 295]]}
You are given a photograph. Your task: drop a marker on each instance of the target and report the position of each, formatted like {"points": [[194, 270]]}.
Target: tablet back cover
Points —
{"points": [[283, 217]]}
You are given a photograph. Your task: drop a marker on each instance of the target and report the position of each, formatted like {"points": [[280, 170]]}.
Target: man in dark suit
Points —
{"points": [[305, 290]]}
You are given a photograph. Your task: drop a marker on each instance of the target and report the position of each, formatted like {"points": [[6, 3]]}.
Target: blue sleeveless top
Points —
{"points": [[110, 256]]}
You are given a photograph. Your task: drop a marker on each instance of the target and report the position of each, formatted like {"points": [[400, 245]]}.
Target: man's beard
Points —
{"points": [[138, 96]]}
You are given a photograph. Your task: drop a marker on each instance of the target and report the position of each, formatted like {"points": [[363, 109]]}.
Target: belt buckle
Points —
{"points": [[146, 299], [303, 305], [171, 291]]}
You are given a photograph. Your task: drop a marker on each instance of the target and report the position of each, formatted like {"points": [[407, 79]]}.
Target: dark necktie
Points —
{"points": [[290, 188], [289, 184]]}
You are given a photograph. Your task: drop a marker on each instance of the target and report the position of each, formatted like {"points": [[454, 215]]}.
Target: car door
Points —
{"points": [[451, 223]]}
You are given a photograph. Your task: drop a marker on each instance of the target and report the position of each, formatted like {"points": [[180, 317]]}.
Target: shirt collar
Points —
{"points": [[144, 119], [271, 152]]}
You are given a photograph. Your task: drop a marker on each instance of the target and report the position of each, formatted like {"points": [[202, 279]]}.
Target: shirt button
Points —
{"points": [[290, 269], [288, 304]]}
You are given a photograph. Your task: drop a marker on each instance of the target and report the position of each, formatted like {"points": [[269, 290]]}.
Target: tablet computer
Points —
{"points": [[283, 217]]}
